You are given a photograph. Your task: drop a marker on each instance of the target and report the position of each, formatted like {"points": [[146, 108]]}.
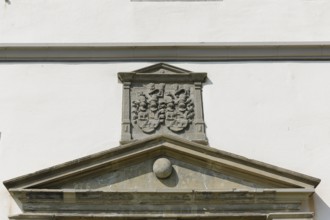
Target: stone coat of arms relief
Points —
{"points": [[158, 105], [162, 99]]}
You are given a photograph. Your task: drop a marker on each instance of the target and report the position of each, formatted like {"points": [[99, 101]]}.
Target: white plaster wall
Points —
{"points": [[46, 21], [276, 112]]}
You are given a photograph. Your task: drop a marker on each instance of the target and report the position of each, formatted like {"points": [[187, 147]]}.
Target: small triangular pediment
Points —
{"points": [[162, 72], [162, 68], [195, 166]]}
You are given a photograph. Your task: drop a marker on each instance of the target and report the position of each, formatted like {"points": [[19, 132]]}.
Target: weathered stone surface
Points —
{"points": [[162, 168], [162, 99], [184, 176], [155, 216], [204, 183]]}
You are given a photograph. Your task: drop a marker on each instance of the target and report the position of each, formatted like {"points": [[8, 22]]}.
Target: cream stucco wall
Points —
{"points": [[46, 21], [276, 112]]}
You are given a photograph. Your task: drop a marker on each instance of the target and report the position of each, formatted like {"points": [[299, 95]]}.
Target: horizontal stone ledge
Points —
{"points": [[166, 51], [225, 216], [33, 199], [171, 191]]}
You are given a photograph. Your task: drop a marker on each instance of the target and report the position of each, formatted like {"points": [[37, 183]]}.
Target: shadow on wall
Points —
{"points": [[322, 210]]}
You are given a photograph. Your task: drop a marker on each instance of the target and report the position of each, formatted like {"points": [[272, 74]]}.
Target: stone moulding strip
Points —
{"points": [[30, 198], [233, 216], [166, 51], [99, 203]]}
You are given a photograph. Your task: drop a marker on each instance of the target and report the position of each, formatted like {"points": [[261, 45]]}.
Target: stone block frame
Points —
{"points": [[162, 99]]}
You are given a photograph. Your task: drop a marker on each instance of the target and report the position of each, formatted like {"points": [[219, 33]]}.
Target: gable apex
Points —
{"points": [[210, 180], [162, 72], [161, 66], [160, 145]]}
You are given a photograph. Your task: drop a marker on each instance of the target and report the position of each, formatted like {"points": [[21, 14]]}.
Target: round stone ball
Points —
{"points": [[162, 168]]}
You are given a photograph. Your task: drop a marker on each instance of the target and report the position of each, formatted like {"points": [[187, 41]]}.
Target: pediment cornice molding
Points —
{"points": [[264, 191], [162, 143]]}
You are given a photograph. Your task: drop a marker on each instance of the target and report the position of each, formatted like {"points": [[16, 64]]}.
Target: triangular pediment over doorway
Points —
{"points": [[163, 177]]}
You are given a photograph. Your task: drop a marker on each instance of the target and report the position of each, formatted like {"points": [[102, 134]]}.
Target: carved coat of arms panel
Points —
{"points": [[162, 99], [162, 107]]}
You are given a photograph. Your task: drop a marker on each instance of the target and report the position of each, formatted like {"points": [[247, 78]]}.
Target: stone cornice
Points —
{"points": [[231, 204], [83, 189], [161, 143], [231, 216], [166, 51]]}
